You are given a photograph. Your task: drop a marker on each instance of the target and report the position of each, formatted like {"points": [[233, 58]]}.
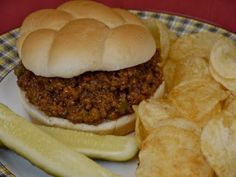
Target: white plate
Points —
{"points": [[22, 168]]}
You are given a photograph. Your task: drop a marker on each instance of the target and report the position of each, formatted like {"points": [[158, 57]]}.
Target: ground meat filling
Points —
{"points": [[91, 97]]}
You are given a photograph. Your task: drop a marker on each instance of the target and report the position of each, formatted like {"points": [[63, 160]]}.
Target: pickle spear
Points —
{"points": [[108, 147], [44, 151]]}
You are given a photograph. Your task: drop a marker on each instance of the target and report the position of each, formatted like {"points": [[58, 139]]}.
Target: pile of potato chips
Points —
{"points": [[191, 130]]}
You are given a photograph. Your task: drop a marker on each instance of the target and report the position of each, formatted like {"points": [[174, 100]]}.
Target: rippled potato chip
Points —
{"points": [[194, 45], [196, 99], [161, 35], [151, 111], [191, 68], [148, 113], [230, 84], [176, 134], [223, 59], [218, 144], [179, 123], [186, 69], [165, 153]]}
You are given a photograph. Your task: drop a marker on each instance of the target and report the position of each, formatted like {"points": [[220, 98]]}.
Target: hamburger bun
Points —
{"points": [[81, 36]]}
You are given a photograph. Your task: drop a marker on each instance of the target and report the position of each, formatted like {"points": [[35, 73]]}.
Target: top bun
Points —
{"points": [[81, 36]]}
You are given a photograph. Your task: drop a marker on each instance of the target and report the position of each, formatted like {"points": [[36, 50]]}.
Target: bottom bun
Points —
{"points": [[121, 126]]}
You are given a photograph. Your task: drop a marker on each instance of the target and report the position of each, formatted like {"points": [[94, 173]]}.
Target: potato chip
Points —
{"points": [[211, 114], [161, 35], [230, 105], [191, 68], [140, 132], [148, 113], [223, 59], [218, 144], [196, 99], [160, 92], [179, 123], [151, 111], [169, 70], [186, 69], [185, 164], [194, 45], [165, 153], [179, 135], [165, 117], [230, 84]]}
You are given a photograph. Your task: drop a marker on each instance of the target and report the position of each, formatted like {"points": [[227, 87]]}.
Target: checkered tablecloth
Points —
{"points": [[179, 25], [8, 54]]}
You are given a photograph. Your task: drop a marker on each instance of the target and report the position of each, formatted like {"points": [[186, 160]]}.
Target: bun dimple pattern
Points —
{"points": [[81, 36]]}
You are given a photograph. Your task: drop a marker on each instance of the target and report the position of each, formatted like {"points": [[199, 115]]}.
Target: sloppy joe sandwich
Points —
{"points": [[84, 65]]}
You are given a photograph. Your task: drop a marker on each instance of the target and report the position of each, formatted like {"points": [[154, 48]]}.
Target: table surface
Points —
{"points": [[218, 12]]}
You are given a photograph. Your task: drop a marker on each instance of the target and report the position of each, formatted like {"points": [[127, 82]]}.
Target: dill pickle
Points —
{"points": [[107, 147], [43, 150]]}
